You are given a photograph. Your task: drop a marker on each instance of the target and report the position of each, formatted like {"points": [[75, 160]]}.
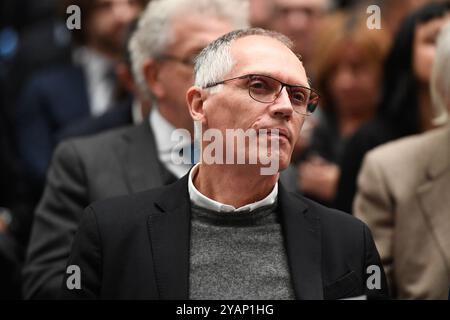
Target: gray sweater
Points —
{"points": [[238, 255]]}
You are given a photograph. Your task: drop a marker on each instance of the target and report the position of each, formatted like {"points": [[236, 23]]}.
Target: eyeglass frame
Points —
{"points": [[283, 85]]}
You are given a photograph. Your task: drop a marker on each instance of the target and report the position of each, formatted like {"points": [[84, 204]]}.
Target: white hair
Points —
{"points": [[440, 77], [215, 61], [154, 31]]}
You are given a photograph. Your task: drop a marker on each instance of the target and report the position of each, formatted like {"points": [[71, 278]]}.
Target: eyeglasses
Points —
{"points": [[190, 62], [266, 89]]}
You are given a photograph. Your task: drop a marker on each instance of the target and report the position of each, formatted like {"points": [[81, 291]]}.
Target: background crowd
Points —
{"points": [[376, 86]]}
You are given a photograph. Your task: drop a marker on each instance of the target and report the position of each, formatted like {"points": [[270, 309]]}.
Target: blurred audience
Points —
{"points": [[58, 96], [57, 84], [394, 12], [9, 250], [25, 26], [405, 106], [169, 36], [403, 196], [347, 62]]}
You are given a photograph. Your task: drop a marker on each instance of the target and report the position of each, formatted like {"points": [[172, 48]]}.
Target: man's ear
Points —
{"points": [[151, 74], [195, 101]]}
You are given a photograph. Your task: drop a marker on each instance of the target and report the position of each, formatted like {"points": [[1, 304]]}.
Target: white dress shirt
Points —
{"points": [[136, 112], [203, 201], [100, 79], [162, 131]]}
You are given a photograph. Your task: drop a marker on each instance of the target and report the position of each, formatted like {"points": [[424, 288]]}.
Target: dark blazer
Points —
{"points": [[120, 115], [84, 170], [137, 247], [50, 101]]}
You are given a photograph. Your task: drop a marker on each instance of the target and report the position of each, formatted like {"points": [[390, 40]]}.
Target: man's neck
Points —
{"points": [[235, 185]]}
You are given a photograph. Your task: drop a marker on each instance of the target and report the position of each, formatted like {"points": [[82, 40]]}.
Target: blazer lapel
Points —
{"points": [[303, 244], [140, 159], [435, 205], [434, 195], [169, 231]]}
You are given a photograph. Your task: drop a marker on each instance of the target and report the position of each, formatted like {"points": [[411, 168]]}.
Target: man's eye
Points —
{"points": [[259, 85], [299, 97]]}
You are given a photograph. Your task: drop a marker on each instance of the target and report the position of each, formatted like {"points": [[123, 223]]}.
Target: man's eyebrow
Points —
{"points": [[264, 73]]}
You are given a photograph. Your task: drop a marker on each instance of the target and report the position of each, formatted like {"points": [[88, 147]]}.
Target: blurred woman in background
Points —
{"points": [[347, 65], [405, 106]]}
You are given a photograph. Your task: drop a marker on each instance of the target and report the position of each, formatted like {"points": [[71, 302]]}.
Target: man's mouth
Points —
{"points": [[281, 133]]}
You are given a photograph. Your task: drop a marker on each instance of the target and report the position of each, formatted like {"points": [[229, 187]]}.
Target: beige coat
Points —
{"points": [[404, 197]]}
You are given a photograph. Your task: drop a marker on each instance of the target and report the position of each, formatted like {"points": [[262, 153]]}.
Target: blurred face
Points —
{"points": [[108, 21], [425, 47], [354, 81], [233, 108], [299, 20], [190, 35], [260, 12]]}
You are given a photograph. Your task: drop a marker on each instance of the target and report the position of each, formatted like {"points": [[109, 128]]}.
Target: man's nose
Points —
{"points": [[282, 106], [345, 78]]}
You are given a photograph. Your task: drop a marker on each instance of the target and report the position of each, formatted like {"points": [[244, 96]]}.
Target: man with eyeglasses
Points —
{"points": [[227, 231], [169, 35]]}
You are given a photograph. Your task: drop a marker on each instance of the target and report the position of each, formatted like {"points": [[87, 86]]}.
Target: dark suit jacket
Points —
{"points": [[119, 116], [84, 170], [50, 101], [137, 247]]}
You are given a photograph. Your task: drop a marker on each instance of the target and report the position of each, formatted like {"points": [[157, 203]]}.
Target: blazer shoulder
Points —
{"points": [[95, 144], [119, 116], [405, 161], [410, 148], [330, 217], [129, 207]]}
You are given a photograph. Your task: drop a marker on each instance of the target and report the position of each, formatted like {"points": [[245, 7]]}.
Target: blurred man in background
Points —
{"points": [[132, 109]]}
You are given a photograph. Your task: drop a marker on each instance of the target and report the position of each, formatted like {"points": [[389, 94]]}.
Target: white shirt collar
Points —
{"points": [[203, 201], [100, 78], [162, 130], [136, 112]]}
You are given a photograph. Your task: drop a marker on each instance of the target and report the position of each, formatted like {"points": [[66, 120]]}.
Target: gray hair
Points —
{"points": [[440, 77], [154, 32], [215, 61]]}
